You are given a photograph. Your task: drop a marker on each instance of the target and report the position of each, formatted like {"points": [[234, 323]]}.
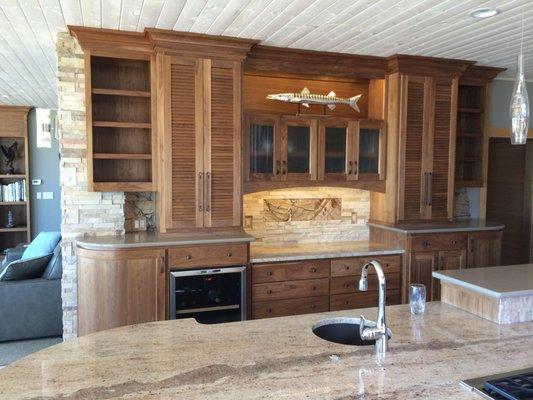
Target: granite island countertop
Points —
{"points": [[153, 239], [260, 253], [498, 282], [466, 225], [278, 358]]}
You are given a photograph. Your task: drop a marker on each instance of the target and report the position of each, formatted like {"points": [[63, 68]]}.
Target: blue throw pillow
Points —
{"points": [[43, 244]]}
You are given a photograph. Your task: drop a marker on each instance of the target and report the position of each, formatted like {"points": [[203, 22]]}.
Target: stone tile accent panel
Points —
{"points": [[286, 210], [82, 212], [354, 209], [139, 207]]}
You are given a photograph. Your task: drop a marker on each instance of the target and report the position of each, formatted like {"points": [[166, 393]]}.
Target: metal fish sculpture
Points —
{"points": [[305, 97]]}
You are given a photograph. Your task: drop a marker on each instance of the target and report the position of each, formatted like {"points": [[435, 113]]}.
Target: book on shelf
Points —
{"points": [[13, 192]]}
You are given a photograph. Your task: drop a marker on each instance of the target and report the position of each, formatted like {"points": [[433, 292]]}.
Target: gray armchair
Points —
{"points": [[32, 308]]}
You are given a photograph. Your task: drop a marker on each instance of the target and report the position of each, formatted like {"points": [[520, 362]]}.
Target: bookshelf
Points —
{"points": [[14, 128], [120, 139]]}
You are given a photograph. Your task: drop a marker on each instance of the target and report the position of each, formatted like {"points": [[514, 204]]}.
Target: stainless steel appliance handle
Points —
{"points": [[198, 272]]}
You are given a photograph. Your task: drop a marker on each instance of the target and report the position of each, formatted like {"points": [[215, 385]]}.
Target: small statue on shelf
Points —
{"points": [[10, 154], [10, 220]]}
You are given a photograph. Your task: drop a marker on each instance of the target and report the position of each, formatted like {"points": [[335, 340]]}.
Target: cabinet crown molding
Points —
{"points": [[199, 45], [115, 43], [480, 74], [427, 66]]}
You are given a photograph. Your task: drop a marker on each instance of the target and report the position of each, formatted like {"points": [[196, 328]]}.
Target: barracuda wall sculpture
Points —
{"points": [[305, 97]]}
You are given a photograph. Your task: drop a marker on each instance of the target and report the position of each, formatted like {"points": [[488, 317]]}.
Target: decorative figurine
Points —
{"points": [[10, 220], [305, 97], [10, 154]]}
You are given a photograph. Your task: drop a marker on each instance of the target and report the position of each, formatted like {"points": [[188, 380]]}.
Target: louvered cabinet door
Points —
{"points": [[441, 178], [222, 155], [414, 131], [183, 174]]}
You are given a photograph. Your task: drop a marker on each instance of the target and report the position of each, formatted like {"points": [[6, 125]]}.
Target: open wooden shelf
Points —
{"points": [[122, 156], [469, 135], [121, 92], [14, 176], [470, 110], [123, 186], [468, 183], [15, 229], [122, 124], [13, 203]]}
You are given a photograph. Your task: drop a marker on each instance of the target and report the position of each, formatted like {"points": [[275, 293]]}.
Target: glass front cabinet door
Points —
{"points": [[263, 143], [369, 150], [298, 149], [336, 150]]}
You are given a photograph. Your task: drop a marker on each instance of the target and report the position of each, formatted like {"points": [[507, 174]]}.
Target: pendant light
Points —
{"points": [[519, 106]]}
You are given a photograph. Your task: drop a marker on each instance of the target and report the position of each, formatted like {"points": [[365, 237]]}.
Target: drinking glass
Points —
{"points": [[417, 298]]}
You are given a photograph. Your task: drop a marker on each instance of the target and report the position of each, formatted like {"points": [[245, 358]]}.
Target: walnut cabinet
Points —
{"points": [[200, 181], [312, 150]]}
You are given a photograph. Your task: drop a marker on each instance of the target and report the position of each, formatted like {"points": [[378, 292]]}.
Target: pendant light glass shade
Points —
{"points": [[519, 107]]}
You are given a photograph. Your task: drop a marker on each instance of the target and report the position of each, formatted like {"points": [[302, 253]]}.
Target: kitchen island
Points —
{"points": [[276, 358], [500, 294]]}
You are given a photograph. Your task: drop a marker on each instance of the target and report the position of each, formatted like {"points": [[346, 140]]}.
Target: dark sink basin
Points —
{"points": [[343, 331]]}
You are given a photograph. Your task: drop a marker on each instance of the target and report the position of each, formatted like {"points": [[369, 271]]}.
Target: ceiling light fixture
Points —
{"points": [[519, 106], [484, 13]]}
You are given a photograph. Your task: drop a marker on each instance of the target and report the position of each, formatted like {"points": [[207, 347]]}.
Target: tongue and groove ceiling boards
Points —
{"points": [[439, 28]]}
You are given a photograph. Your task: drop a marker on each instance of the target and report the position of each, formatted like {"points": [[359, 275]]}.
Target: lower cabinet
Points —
{"points": [[291, 288], [118, 288], [484, 249]]}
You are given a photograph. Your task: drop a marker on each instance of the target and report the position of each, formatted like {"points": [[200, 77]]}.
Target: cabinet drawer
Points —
{"points": [[280, 308], [350, 284], [290, 289], [352, 266], [276, 272], [207, 256], [441, 241], [362, 300]]}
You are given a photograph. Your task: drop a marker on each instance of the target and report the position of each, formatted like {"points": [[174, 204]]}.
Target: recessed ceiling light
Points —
{"points": [[484, 13]]}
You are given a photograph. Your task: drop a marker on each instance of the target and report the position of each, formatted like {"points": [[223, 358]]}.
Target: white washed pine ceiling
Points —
{"points": [[441, 28]]}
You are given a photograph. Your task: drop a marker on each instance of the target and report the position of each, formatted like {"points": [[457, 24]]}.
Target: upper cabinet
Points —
{"points": [[426, 137], [200, 143], [119, 123]]}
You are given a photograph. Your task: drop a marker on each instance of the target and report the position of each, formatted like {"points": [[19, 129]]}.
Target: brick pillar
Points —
{"points": [[82, 212]]}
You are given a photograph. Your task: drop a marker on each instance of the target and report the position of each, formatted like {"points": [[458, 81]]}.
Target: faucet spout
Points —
{"points": [[379, 332]]}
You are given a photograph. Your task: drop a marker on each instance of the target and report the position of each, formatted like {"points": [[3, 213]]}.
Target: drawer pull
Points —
{"points": [[425, 243], [454, 242], [188, 257], [346, 302], [313, 269], [314, 287], [230, 254], [313, 306], [347, 267], [346, 285], [269, 273], [269, 311], [269, 291]]}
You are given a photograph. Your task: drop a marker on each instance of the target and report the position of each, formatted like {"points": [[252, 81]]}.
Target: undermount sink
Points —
{"points": [[344, 331]]}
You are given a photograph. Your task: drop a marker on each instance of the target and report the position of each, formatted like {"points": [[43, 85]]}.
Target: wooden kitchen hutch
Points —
{"points": [[186, 115]]}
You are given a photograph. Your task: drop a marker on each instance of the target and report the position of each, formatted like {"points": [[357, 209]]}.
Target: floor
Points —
{"points": [[12, 351]]}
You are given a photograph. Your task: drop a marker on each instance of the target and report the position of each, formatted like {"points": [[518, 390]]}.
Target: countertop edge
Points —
{"points": [[318, 256], [480, 289], [162, 243], [436, 230]]}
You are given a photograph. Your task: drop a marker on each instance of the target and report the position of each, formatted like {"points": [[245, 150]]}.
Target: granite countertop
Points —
{"points": [[153, 239], [505, 281], [291, 252], [440, 227], [278, 358]]}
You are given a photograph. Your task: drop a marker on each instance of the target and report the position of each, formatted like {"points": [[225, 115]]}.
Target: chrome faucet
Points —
{"points": [[379, 332]]}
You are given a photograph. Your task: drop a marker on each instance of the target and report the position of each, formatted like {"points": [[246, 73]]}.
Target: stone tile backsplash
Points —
{"points": [[323, 214]]}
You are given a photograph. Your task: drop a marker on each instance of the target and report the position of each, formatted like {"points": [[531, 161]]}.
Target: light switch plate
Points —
{"points": [[36, 182], [39, 196], [48, 195]]}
